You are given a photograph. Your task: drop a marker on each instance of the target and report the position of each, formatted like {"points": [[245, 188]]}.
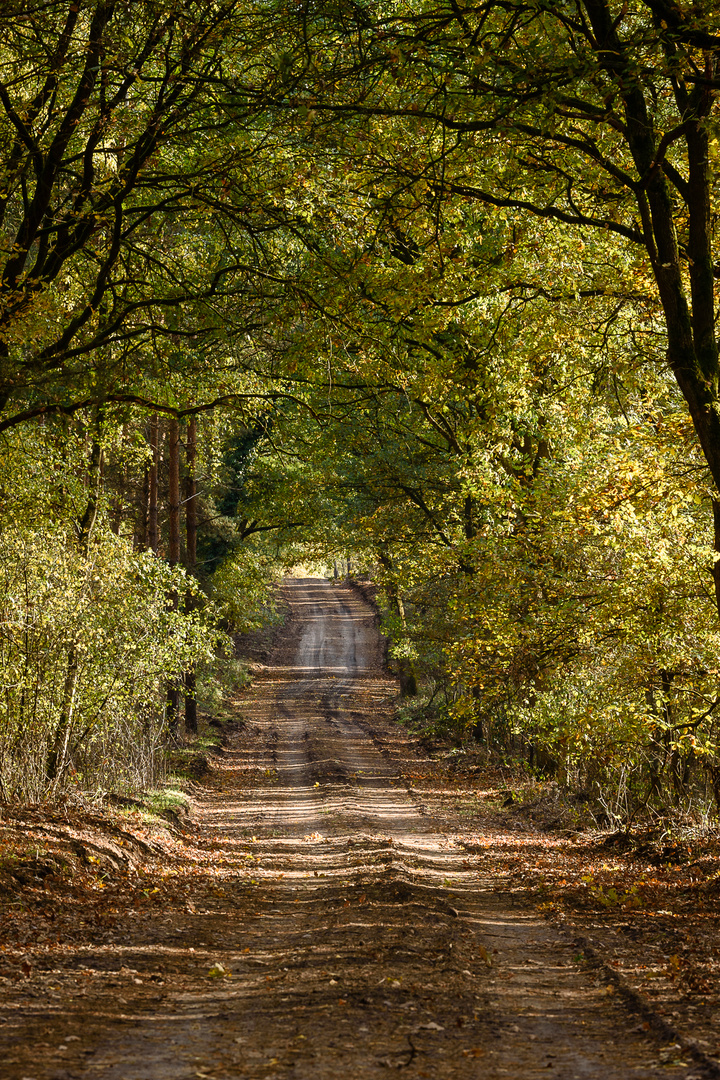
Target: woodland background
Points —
{"points": [[429, 286]]}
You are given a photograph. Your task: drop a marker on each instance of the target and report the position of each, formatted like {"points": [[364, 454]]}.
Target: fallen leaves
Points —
{"points": [[484, 956], [209, 878]]}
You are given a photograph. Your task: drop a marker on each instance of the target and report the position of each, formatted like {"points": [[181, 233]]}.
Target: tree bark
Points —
{"points": [[716, 560], [152, 518], [406, 672], [191, 724], [141, 519], [690, 320], [57, 757], [87, 522], [119, 498], [173, 440], [173, 492]]}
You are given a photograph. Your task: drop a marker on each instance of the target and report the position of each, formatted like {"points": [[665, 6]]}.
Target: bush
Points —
{"points": [[87, 644]]}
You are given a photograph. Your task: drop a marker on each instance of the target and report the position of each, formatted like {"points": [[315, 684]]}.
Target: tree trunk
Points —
{"points": [[56, 761], [191, 494], [406, 673], [87, 522], [173, 492], [142, 518], [191, 724], [690, 321], [173, 696], [57, 757], [152, 516], [119, 499], [716, 562]]}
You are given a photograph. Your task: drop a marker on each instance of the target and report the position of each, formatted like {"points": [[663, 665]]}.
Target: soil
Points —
{"points": [[343, 901]]}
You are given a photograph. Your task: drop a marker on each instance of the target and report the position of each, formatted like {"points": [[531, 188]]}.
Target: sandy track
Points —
{"points": [[359, 936]]}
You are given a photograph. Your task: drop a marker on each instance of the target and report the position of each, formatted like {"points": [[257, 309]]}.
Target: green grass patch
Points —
{"points": [[159, 800]]}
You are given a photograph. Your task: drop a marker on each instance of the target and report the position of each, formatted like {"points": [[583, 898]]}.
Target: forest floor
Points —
{"points": [[344, 901]]}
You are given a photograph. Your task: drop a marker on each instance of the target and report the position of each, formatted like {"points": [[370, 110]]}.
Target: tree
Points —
{"points": [[115, 155], [592, 115], [87, 638]]}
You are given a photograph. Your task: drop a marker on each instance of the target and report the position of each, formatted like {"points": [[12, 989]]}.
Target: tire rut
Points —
{"points": [[356, 936]]}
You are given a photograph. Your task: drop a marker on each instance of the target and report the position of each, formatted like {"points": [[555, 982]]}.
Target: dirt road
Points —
{"points": [[357, 938]]}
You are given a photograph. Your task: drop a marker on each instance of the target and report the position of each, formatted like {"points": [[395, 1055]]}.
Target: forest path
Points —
{"points": [[356, 935]]}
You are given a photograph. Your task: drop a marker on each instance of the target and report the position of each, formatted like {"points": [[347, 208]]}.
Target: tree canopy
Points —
{"points": [[430, 284]]}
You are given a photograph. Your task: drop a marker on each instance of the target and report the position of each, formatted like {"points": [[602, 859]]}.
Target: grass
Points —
{"points": [[170, 798]]}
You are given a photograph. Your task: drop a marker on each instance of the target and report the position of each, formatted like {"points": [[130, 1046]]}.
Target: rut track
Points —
{"points": [[359, 939]]}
